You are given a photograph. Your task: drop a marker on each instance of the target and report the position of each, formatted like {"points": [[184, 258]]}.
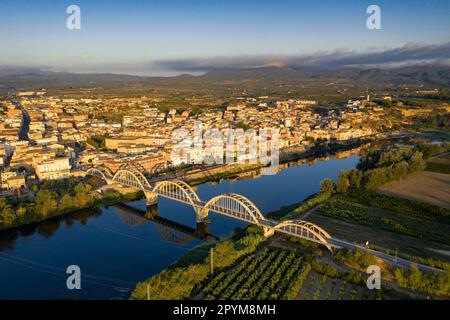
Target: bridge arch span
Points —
{"points": [[305, 230], [237, 206], [132, 179], [100, 172], [179, 190]]}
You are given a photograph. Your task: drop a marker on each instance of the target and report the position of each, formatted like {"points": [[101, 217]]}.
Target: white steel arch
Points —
{"points": [[305, 230], [179, 190], [235, 205], [100, 172], [132, 179]]}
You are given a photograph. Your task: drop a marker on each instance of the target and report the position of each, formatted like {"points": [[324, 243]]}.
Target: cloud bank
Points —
{"points": [[410, 54]]}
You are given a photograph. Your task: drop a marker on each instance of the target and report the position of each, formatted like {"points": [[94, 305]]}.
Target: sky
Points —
{"points": [[166, 37]]}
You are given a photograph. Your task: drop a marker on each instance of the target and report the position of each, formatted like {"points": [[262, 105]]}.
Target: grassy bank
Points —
{"points": [[294, 211]]}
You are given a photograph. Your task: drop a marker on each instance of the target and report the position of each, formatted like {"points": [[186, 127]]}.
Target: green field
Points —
{"points": [[267, 275], [439, 164], [427, 226], [281, 274]]}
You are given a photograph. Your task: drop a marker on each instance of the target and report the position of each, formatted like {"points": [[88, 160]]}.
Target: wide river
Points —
{"points": [[115, 248]]}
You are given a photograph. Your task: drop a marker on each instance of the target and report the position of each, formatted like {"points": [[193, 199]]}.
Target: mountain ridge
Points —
{"points": [[16, 78]]}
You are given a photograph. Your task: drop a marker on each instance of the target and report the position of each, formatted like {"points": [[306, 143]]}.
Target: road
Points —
{"points": [[386, 257], [23, 134]]}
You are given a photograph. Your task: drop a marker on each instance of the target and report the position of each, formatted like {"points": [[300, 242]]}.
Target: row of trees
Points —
{"points": [[345, 180], [46, 204], [379, 167], [431, 283]]}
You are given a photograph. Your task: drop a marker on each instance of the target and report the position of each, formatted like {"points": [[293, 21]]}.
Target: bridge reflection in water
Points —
{"points": [[171, 231]]}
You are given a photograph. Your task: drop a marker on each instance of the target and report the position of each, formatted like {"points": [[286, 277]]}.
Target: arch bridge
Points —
{"points": [[231, 205]]}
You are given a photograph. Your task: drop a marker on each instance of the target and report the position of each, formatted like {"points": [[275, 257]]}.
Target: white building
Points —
{"points": [[55, 169]]}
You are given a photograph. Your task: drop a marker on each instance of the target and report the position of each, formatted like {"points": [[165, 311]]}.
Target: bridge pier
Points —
{"points": [[202, 230], [268, 232], [152, 198], [201, 215], [152, 211]]}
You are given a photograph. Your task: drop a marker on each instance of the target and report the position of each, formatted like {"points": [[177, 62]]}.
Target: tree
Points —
{"points": [[327, 186], [82, 188], [400, 277], [3, 204], [355, 177], [416, 162], [7, 217], [46, 203], [375, 178], [343, 183], [415, 279], [66, 202], [21, 213], [399, 170]]}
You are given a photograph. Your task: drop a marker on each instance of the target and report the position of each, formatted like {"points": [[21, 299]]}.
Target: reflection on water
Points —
{"points": [[45, 229], [117, 246], [172, 231]]}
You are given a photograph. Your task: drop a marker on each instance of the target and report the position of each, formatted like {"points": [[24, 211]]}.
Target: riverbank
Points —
{"points": [[15, 218], [289, 156], [27, 213]]}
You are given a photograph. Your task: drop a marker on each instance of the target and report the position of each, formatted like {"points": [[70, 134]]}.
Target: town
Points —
{"points": [[48, 138], [237, 157]]}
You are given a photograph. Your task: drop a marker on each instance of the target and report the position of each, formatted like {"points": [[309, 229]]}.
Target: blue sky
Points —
{"points": [[128, 36]]}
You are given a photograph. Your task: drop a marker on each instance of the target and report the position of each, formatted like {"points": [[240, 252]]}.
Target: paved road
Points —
{"points": [[23, 134], [386, 257]]}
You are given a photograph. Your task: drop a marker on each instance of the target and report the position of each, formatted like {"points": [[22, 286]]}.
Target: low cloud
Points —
{"points": [[387, 58]]}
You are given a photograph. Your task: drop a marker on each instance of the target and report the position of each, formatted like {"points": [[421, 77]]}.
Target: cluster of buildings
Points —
{"points": [[48, 138], [11, 120]]}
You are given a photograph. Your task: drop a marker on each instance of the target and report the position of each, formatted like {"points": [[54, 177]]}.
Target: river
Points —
{"points": [[115, 248]]}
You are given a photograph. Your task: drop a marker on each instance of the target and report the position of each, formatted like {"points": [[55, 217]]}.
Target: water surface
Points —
{"points": [[115, 248]]}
